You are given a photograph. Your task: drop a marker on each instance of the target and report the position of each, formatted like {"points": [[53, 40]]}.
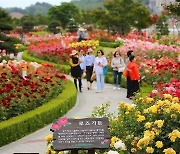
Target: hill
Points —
{"points": [[38, 8], [93, 4]]}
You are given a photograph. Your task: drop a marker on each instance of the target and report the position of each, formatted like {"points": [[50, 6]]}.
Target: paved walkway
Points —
{"points": [[34, 143]]}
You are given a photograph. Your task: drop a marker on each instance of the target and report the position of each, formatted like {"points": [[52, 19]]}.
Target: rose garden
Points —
{"points": [[36, 88]]}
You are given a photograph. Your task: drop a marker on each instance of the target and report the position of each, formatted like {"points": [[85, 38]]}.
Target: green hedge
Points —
{"points": [[63, 68], [18, 127], [110, 44]]}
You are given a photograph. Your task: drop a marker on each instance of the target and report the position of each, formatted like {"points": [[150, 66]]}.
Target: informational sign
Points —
{"points": [[76, 134]]}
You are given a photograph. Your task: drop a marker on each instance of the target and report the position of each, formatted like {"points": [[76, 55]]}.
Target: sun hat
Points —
{"points": [[81, 29], [90, 50], [73, 52]]}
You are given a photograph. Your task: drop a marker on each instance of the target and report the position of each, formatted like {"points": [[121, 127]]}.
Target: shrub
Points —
{"points": [[17, 127]]}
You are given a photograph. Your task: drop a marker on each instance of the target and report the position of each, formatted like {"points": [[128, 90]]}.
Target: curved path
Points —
{"points": [[35, 143]]}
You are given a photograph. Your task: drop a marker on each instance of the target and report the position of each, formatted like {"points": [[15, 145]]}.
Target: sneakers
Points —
{"points": [[114, 88]]}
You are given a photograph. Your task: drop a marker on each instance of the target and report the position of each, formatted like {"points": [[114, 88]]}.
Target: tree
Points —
{"points": [[64, 13], [54, 26], [162, 26], [122, 15], [27, 23], [141, 16], [5, 21], [174, 11]]}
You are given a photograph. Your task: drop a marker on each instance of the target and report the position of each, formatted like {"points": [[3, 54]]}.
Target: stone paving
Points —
{"points": [[86, 101]]}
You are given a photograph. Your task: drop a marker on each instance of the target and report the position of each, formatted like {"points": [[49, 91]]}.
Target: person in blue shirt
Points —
{"points": [[89, 63], [82, 64]]}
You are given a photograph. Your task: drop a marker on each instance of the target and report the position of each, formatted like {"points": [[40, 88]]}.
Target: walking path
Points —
{"points": [[35, 143]]}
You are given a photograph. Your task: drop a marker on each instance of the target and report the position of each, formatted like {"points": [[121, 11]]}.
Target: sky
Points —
{"points": [[25, 3]]}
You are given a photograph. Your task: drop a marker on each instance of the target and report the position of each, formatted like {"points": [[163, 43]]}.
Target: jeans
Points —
{"points": [[117, 75], [100, 81]]}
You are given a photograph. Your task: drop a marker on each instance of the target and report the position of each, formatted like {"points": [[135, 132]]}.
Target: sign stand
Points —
{"points": [[81, 134]]}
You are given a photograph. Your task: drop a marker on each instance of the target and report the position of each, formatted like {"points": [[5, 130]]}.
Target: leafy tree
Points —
{"points": [[64, 13], [122, 15], [27, 23], [141, 16], [174, 8], [5, 21], [162, 26], [54, 26]]}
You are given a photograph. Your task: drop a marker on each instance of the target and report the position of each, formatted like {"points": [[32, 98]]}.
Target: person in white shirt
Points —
{"points": [[118, 65], [99, 64]]}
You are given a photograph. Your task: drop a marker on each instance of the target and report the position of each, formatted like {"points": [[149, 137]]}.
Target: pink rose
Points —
{"points": [[63, 121], [55, 126]]}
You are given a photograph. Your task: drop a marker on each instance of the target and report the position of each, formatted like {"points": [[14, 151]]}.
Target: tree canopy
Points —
{"points": [[5, 21], [64, 13], [123, 15]]}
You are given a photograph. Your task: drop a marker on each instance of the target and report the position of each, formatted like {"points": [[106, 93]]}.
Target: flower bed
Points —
{"points": [[83, 45], [172, 87], [52, 51], [19, 94], [147, 126]]}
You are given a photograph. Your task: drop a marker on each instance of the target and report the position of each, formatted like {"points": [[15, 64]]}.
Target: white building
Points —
{"points": [[156, 6]]}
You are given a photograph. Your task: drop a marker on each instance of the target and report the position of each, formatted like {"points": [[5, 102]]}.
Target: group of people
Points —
{"points": [[94, 66], [90, 64], [82, 34]]}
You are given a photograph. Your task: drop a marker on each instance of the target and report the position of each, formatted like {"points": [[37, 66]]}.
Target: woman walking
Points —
{"points": [[89, 64], [99, 64], [127, 72], [75, 68], [134, 76], [118, 66]]}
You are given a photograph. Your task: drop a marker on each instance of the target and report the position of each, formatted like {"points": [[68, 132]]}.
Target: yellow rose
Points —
{"points": [[159, 123], [53, 152], [169, 151], [146, 111], [175, 100], [49, 138], [153, 109], [133, 150], [160, 103], [173, 135], [150, 134], [159, 144], [141, 118], [149, 150], [127, 113], [173, 116], [148, 125], [149, 99], [167, 96]]}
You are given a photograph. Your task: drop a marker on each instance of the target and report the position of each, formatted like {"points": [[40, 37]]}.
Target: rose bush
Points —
{"points": [[19, 94]]}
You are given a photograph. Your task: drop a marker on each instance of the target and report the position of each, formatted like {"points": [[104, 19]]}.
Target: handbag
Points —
{"points": [[105, 71], [121, 69], [93, 76]]}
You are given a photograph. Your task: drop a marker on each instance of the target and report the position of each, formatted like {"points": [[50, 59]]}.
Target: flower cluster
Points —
{"points": [[53, 51], [147, 126], [19, 94], [83, 45], [172, 87], [152, 125]]}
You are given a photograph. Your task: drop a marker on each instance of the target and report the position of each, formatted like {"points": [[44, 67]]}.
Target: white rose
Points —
{"points": [[112, 152], [120, 145]]}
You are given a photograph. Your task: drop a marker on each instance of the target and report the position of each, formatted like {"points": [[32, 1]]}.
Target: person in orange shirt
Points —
{"points": [[134, 75]]}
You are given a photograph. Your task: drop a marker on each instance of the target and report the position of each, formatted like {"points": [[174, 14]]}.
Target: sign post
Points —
{"points": [[81, 134]]}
